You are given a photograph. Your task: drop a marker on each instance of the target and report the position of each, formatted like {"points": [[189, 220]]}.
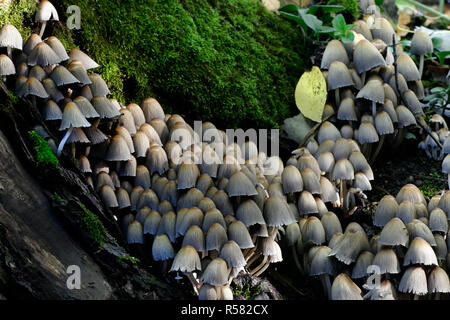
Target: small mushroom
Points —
{"points": [[421, 44]]}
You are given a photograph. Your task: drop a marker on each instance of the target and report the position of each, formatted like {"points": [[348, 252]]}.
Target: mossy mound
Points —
{"points": [[233, 62]]}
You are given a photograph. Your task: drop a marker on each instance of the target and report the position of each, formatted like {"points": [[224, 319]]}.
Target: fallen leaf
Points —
{"points": [[311, 94]]}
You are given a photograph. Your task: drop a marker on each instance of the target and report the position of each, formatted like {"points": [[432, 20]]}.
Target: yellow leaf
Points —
{"points": [[311, 94]]}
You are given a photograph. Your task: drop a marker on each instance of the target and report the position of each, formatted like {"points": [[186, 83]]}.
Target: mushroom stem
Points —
{"points": [[326, 283], [193, 281], [258, 267], [63, 141], [250, 253], [377, 150], [437, 296], [264, 268], [374, 109], [252, 260], [337, 97], [448, 179], [87, 151], [421, 59], [44, 24], [363, 78], [416, 297], [9, 52], [399, 138], [342, 192], [366, 149], [96, 123], [297, 263], [72, 147]]}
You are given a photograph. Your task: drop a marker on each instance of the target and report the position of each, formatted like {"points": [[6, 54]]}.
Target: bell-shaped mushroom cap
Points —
{"points": [[238, 232], [151, 221], [407, 67], [249, 213], [400, 80], [186, 260], [78, 70], [327, 145], [10, 37], [367, 133], [32, 87], [406, 212], [433, 203], [31, 42], [204, 182], [311, 182], [138, 114], [306, 203], [338, 76], [329, 192], [326, 161], [187, 175], [123, 198], [108, 196], [438, 281], [77, 135], [222, 202], [373, 91], [383, 30], [366, 56], [313, 231], [84, 164], [347, 110], [240, 185], [307, 161], [135, 233], [157, 161], [291, 180], [331, 225], [50, 88], [88, 63], [385, 291], [148, 198], [98, 86], [343, 170], [162, 248], [72, 117], [51, 111], [346, 131], [334, 51], [165, 206], [95, 135], [387, 262], [341, 149], [441, 247], [57, 47], [43, 55], [167, 225], [207, 292], [343, 288], [421, 43], [364, 260], [216, 237], [358, 161], [327, 130], [216, 273], [444, 203], [411, 193], [118, 149], [385, 211], [412, 102], [6, 66], [352, 244], [390, 99], [414, 280], [360, 26], [394, 233], [420, 252], [86, 107], [322, 263], [124, 133], [190, 199], [194, 237], [142, 177], [292, 233], [46, 12], [213, 216], [105, 108], [438, 221], [361, 182], [277, 212], [152, 109], [232, 254], [405, 117], [206, 204], [383, 123]]}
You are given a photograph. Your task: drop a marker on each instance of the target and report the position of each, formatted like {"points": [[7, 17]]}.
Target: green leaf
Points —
{"points": [[339, 24], [326, 8], [348, 38], [405, 43], [379, 2], [326, 29], [295, 18], [437, 41], [442, 55], [311, 20], [437, 89], [289, 8], [410, 136]]}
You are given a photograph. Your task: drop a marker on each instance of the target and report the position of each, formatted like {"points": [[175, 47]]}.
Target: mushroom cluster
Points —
{"points": [[376, 86], [408, 255]]}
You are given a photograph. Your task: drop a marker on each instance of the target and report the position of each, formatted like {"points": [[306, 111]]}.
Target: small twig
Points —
{"points": [[312, 131], [428, 131]]}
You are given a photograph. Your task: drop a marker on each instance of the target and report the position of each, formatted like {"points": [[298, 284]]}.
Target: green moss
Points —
{"points": [[233, 62], [20, 13], [44, 154], [432, 187], [128, 258], [58, 199], [351, 6], [246, 290], [94, 226]]}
